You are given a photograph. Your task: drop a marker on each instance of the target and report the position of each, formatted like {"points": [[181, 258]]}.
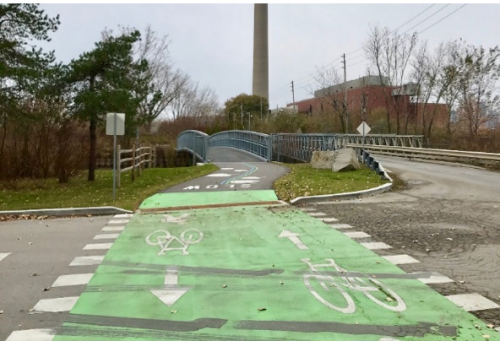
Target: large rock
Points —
{"points": [[345, 160], [323, 160]]}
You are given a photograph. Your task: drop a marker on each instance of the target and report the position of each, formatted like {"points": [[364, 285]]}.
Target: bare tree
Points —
{"points": [[478, 84], [390, 54], [192, 101], [428, 77], [165, 81], [332, 93]]}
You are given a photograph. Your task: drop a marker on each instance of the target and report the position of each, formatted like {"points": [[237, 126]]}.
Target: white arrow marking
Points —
{"points": [[171, 292], [294, 238]]}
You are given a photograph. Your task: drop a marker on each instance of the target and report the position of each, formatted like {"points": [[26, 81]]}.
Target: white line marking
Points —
{"points": [[497, 329], [87, 260], [103, 246], [438, 279], [251, 178], [401, 259], [307, 209], [226, 169], [242, 181], [113, 228], [472, 302], [240, 170], [76, 279], [340, 226], [355, 235], [376, 246], [118, 221], [218, 175], [4, 255], [32, 335], [294, 238], [126, 215], [171, 291], [107, 236], [56, 305], [316, 214], [328, 220]]}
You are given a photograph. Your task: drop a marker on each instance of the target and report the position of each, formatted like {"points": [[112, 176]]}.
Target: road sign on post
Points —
{"points": [[363, 129], [115, 125]]}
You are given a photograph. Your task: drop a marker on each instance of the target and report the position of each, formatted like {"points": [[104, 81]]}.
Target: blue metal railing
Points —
{"points": [[194, 142], [256, 143], [277, 147]]}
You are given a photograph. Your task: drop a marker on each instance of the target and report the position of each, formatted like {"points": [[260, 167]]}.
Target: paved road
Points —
{"points": [[448, 219], [46, 254]]}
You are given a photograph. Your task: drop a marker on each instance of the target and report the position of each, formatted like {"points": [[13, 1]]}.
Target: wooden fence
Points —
{"points": [[135, 158]]}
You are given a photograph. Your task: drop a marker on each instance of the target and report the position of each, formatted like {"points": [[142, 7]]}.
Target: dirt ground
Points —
{"points": [[458, 236]]}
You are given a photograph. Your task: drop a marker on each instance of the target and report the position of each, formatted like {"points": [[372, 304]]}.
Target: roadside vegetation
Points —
{"points": [[79, 192], [303, 181]]}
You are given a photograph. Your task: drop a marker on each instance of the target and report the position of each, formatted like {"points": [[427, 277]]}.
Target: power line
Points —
{"points": [[397, 28], [437, 22], [326, 66], [430, 16], [284, 88]]}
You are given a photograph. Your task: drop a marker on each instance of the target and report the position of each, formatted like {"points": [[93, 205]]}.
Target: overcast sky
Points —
{"points": [[213, 43]]}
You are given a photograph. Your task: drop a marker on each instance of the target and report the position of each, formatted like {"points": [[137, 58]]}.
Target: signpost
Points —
{"points": [[115, 125], [364, 129]]}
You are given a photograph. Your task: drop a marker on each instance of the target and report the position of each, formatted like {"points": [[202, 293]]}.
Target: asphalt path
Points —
{"points": [[447, 218], [249, 173], [226, 154], [39, 252]]}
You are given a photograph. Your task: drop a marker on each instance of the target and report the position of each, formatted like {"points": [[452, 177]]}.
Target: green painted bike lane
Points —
{"points": [[254, 273]]}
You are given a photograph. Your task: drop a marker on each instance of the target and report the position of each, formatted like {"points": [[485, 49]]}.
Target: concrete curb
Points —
{"points": [[342, 196], [350, 195], [65, 212]]}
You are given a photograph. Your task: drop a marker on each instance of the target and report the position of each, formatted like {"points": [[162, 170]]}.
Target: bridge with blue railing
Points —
{"points": [[284, 146]]}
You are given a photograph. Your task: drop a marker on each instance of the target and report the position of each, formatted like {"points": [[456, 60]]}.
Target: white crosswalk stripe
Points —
{"points": [[32, 335], [87, 260], [102, 246], [75, 279], [4, 255], [55, 305]]}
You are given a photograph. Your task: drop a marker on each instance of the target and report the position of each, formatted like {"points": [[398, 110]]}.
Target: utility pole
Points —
{"points": [[293, 96], [345, 95]]}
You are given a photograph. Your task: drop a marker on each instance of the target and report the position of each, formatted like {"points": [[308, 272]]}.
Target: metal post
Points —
{"points": [[261, 110], [118, 165], [114, 156]]}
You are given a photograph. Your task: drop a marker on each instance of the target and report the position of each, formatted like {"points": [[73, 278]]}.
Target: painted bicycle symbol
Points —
{"points": [[352, 283], [164, 239]]}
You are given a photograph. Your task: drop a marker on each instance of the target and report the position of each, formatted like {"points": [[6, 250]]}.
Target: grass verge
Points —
{"points": [[82, 193], [303, 181]]}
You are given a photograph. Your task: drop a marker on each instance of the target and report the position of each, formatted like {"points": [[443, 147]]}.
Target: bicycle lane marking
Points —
{"points": [[240, 266]]}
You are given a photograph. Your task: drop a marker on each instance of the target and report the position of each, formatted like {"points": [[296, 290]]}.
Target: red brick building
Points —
{"points": [[365, 95]]}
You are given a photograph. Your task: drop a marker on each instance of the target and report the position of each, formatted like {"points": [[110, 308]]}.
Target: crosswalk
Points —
{"points": [[101, 243], [469, 301]]}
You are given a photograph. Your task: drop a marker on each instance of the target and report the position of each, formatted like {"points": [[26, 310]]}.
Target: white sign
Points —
{"points": [[294, 238], [364, 128], [110, 124]]}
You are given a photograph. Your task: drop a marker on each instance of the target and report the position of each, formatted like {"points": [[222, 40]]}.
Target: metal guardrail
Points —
{"points": [[385, 140], [301, 146], [194, 142], [433, 154], [256, 143]]}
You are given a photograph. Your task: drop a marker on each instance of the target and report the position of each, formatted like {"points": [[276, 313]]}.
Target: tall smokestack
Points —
{"points": [[260, 86]]}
